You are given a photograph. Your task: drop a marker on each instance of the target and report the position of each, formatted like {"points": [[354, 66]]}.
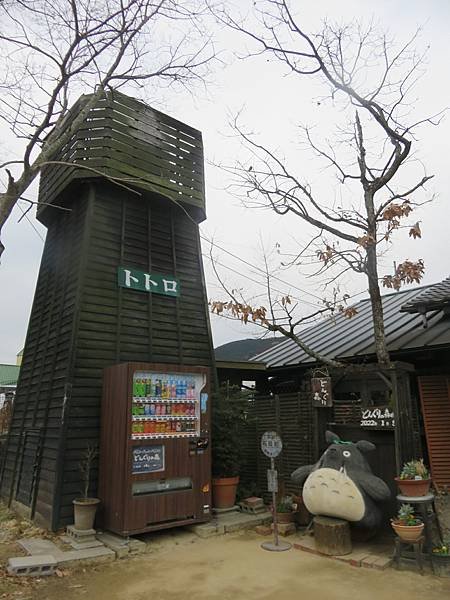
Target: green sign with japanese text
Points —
{"points": [[154, 283]]}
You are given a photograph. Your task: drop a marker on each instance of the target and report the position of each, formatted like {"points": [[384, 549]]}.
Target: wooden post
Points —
{"points": [[332, 536]]}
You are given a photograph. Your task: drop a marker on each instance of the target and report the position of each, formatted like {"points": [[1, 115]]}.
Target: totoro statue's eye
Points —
{"points": [[346, 453]]}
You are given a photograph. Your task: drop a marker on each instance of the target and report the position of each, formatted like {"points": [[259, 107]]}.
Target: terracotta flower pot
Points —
{"points": [[224, 491], [84, 510], [285, 517], [413, 487], [409, 533]]}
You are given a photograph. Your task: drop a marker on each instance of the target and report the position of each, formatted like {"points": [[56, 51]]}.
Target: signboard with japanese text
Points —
{"points": [[381, 417], [321, 392], [271, 444], [148, 459], [272, 480], [154, 283]]}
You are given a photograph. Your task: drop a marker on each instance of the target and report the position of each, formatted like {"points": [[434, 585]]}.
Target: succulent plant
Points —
{"points": [[407, 517], [414, 469]]}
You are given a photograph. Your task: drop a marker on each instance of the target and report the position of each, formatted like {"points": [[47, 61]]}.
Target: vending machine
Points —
{"points": [[155, 455]]}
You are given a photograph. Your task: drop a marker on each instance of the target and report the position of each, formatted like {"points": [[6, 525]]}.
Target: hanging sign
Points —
{"points": [[148, 459], [154, 283], [321, 392], [380, 417], [271, 444]]}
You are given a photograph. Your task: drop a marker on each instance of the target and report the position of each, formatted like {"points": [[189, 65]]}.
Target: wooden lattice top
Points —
{"points": [[126, 139]]}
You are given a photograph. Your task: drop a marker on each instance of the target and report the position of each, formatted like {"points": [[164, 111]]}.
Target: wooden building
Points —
{"points": [[405, 412], [132, 201]]}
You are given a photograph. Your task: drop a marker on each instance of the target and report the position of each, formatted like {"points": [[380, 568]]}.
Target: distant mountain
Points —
{"points": [[242, 350]]}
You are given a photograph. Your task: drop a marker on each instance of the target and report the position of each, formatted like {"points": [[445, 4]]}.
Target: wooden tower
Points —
{"points": [[135, 197]]}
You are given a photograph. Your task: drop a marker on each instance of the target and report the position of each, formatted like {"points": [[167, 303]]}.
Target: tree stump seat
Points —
{"points": [[332, 536]]}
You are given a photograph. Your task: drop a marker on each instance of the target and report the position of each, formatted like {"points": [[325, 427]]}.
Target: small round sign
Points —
{"points": [[271, 444]]}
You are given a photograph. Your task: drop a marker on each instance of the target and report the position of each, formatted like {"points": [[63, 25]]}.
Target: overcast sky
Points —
{"points": [[272, 105]]}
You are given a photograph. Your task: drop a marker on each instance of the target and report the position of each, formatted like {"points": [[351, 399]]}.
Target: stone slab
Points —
{"points": [[205, 530], [32, 566], [137, 546], [38, 546], [88, 555], [117, 544]]}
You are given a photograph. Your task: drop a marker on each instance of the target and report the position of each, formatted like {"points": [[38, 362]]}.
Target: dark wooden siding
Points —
{"points": [[82, 322], [35, 432], [127, 139], [116, 325]]}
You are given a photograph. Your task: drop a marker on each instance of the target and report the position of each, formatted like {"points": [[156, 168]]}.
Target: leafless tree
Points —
{"points": [[368, 78], [275, 310], [54, 50]]}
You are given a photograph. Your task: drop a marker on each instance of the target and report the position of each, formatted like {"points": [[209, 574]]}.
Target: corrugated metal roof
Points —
{"points": [[339, 337], [9, 375], [434, 297]]}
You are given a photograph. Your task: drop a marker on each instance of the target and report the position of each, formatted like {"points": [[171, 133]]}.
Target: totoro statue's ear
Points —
{"points": [[365, 446], [331, 437]]}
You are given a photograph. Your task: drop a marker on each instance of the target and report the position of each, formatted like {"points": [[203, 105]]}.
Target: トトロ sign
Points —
{"points": [[154, 283], [271, 444], [148, 459]]}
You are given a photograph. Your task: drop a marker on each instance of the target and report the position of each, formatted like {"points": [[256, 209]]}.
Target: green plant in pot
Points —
{"points": [[414, 479], [229, 420], [406, 525], [85, 507], [286, 509], [441, 559]]}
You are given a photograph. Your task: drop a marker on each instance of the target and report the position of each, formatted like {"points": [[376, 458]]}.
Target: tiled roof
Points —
{"points": [[433, 298], [9, 375], [342, 338]]}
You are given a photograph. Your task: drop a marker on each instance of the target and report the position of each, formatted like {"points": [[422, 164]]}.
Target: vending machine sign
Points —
{"points": [[148, 459]]}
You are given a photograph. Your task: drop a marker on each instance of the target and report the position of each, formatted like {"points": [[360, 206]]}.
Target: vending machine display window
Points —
{"points": [[166, 405]]}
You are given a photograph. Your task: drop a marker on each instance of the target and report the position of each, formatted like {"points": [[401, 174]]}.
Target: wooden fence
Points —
{"points": [[289, 413]]}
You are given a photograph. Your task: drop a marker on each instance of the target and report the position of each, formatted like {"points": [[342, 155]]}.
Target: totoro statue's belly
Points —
{"points": [[333, 494]]}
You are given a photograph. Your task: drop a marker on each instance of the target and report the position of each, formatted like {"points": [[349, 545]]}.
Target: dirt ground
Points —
{"points": [[180, 565]]}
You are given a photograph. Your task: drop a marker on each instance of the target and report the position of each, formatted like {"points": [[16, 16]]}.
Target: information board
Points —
{"points": [[148, 459]]}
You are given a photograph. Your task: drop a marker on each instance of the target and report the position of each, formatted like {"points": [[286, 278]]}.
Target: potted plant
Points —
{"points": [[285, 509], [229, 412], [441, 559], [414, 479], [407, 526], [85, 507]]}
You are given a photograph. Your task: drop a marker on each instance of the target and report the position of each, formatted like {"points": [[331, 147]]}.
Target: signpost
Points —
{"points": [[271, 446]]}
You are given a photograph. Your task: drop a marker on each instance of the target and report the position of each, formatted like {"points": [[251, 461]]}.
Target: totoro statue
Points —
{"points": [[342, 485]]}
